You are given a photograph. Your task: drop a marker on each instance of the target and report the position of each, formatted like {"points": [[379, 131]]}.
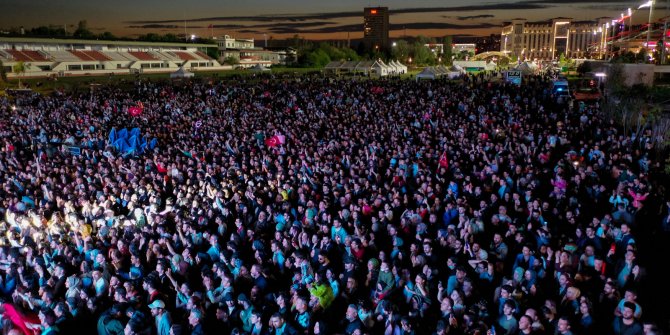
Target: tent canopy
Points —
{"points": [[527, 68], [181, 73], [427, 73], [259, 67]]}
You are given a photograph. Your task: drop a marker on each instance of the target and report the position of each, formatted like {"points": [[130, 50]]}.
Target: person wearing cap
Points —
{"points": [[161, 316], [245, 312]]}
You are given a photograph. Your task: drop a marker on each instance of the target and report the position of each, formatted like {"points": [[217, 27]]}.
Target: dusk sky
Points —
{"points": [[313, 19]]}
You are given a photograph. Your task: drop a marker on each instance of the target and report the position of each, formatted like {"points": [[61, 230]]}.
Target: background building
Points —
{"points": [[376, 28], [545, 40], [488, 43], [248, 55], [71, 57]]}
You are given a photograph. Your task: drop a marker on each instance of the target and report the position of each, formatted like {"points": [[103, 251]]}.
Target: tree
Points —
{"points": [[448, 50], [231, 60], [107, 36], [317, 58], [20, 68], [212, 52], [583, 68], [422, 55], [3, 72], [401, 50], [82, 31]]}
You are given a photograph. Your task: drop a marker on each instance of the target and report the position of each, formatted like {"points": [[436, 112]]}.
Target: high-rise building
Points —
{"points": [[376, 28], [550, 39]]}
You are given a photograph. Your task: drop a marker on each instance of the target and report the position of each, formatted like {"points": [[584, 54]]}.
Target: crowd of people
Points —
{"points": [[323, 206]]}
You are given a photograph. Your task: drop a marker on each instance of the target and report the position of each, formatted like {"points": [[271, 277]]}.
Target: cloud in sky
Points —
{"points": [[162, 26], [351, 14], [321, 27], [473, 17], [558, 2]]}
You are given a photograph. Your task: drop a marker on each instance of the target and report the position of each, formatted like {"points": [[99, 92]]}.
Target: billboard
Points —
{"points": [[513, 77]]}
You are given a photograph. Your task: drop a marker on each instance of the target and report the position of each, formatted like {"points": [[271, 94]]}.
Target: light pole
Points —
{"points": [[649, 4], [605, 36], [630, 23]]}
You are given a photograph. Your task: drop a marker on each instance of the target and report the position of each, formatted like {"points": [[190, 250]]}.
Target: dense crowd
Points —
{"points": [[323, 206]]}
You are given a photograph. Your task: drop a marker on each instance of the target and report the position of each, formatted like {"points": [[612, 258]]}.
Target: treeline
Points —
{"points": [[411, 51], [79, 31]]}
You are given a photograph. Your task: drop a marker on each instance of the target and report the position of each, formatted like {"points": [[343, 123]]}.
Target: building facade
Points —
{"points": [[248, 55], [47, 57], [376, 28], [547, 40]]}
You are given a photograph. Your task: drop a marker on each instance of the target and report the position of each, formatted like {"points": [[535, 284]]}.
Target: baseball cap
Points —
{"points": [[157, 304]]}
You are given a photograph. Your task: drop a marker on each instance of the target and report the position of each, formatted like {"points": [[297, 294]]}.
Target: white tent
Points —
{"points": [[427, 73], [527, 68], [456, 68], [379, 69], [259, 68], [333, 66], [181, 73], [401, 68], [390, 69], [454, 71], [397, 68]]}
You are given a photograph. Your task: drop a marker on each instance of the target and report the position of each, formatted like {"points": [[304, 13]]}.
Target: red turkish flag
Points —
{"points": [[272, 141], [444, 161]]}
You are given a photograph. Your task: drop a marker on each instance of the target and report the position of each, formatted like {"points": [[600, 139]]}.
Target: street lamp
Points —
{"points": [[630, 23], [649, 4]]}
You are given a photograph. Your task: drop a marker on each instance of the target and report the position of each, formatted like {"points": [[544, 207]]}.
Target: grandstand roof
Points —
{"points": [[101, 42]]}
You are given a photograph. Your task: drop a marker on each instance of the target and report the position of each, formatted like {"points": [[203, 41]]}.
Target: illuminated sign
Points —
{"points": [[514, 77], [373, 11]]}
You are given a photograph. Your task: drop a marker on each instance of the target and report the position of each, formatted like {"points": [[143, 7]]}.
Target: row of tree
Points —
{"points": [[411, 52], [80, 31]]}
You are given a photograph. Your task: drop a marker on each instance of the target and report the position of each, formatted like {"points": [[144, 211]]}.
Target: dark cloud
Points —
{"points": [[286, 29], [296, 25], [341, 15], [611, 7], [163, 26], [281, 29], [559, 2], [322, 26], [442, 25], [473, 17]]}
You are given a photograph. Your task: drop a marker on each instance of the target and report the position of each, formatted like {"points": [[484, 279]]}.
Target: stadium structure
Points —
{"points": [[69, 57]]}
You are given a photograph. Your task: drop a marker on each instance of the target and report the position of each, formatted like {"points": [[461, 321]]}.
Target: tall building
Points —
{"points": [[376, 28], [544, 40]]}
